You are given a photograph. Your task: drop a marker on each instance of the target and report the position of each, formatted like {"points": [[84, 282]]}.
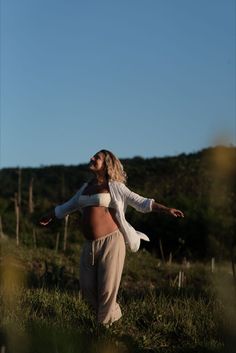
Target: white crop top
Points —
{"points": [[101, 199]]}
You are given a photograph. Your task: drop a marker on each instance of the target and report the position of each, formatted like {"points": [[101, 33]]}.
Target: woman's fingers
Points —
{"points": [[44, 222], [176, 213]]}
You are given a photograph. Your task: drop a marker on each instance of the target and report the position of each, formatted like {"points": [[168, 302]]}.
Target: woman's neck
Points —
{"points": [[100, 179]]}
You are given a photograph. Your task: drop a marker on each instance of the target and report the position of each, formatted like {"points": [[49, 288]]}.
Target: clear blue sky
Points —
{"points": [[138, 77]]}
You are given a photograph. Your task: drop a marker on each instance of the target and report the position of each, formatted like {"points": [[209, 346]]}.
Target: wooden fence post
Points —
{"points": [[181, 279], [213, 264], [161, 250], [65, 232], [19, 188], [31, 203], [17, 211], [57, 242]]}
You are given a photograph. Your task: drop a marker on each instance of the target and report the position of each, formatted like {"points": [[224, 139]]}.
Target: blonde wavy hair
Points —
{"points": [[115, 170]]}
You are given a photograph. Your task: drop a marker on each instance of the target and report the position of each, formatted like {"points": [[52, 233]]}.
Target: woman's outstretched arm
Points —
{"points": [[157, 207], [60, 211]]}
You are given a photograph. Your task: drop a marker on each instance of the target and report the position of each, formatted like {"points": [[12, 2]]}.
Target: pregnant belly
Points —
{"points": [[98, 222]]}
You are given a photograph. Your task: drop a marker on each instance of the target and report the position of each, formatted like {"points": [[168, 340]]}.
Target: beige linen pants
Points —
{"points": [[101, 266]]}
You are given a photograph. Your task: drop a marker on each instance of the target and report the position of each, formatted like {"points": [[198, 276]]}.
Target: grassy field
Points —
{"points": [[41, 309]]}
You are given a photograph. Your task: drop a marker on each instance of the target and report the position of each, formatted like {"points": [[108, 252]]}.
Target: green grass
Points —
{"points": [[45, 316]]}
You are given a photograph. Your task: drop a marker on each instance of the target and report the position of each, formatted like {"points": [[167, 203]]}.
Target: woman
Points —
{"points": [[103, 201]]}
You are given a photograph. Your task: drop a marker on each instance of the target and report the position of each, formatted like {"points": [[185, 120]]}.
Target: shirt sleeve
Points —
{"points": [[68, 207], [140, 203]]}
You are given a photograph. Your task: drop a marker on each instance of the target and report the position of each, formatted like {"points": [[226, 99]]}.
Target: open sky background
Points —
{"points": [[139, 77]]}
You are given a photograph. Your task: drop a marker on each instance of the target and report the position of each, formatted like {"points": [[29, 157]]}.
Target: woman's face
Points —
{"points": [[97, 163]]}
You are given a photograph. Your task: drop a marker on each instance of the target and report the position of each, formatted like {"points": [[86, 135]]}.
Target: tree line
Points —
{"points": [[201, 184]]}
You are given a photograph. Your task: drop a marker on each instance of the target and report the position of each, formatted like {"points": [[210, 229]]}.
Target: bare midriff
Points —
{"points": [[98, 221]]}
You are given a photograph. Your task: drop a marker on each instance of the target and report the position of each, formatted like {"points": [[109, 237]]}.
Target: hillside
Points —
{"points": [[202, 184]]}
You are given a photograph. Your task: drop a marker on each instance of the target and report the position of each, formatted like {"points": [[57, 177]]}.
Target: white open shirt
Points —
{"points": [[121, 197]]}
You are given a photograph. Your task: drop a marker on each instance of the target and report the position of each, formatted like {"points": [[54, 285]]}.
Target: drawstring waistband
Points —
{"points": [[93, 244]]}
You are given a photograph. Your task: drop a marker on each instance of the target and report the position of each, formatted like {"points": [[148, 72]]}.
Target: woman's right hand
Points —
{"points": [[46, 219]]}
